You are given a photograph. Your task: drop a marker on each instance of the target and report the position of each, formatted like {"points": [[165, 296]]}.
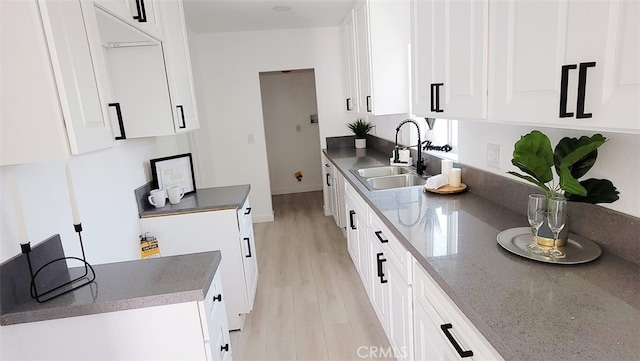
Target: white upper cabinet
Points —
{"points": [[382, 32], [54, 93], [142, 14], [569, 64], [177, 59], [449, 66], [349, 64]]}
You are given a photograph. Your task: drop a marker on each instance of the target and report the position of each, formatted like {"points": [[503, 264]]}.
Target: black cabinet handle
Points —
{"points": [[564, 88], [217, 298], [184, 122], [225, 347], [582, 88], [348, 103], [445, 328], [328, 185], [379, 235], [368, 103], [142, 14], [380, 261], [248, 211], [351, 214], [120, 122], [248, 246], [435, 97]]}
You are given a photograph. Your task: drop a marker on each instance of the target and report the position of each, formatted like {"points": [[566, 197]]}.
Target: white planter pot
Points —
{"points": [[361, 143]]}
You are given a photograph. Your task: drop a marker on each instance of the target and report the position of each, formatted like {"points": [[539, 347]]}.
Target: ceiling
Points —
{"points": [[215, 16]]}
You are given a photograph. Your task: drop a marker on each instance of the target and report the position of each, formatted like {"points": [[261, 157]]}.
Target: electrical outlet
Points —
{"points": [[493, 155], [250, 138]]}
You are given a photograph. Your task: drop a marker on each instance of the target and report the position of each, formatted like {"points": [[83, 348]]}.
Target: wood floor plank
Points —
{"points": [[310, 303]]}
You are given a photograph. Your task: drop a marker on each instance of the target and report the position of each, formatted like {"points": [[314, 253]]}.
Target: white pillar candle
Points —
{"points": [[455, 177], [22, 228], [445, 167], [72, 198]]}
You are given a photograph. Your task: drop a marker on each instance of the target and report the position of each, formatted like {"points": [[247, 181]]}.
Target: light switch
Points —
{"points": [[250, 139]]}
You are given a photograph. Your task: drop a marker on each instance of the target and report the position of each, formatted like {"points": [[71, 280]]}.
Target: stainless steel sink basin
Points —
{"points": [[395, 181], [381, 171]]}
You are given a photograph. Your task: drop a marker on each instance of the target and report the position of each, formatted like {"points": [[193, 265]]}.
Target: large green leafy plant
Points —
{"points": [[571, 159]]}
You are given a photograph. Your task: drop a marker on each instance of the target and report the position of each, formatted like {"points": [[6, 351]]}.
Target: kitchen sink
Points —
{"points": [[395, 181], [380, 171]]}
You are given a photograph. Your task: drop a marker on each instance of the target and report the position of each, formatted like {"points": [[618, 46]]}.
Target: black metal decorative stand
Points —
{"points": [[83, 280]]}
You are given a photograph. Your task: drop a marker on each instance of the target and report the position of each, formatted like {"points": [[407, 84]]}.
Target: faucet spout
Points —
{"points": [[420, 167]]}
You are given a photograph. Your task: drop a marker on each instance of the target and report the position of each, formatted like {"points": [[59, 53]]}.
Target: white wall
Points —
{"points": [[293, 142], [618, 159], [104, 182], [228, 92]]}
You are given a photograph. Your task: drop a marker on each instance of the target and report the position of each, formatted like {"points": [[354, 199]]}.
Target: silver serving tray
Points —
{"points": [[515, 240]]}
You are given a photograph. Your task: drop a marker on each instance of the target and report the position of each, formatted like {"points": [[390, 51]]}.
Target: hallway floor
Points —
{"points": [[310, 303]]}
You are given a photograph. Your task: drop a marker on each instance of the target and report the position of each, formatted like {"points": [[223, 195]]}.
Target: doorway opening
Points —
{"points": [[290, 113]]}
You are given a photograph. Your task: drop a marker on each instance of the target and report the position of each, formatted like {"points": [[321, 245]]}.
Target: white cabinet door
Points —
{"points": [[141, 14], [364, 248], [400, 301], [349, 64], [328, 187], [579, 71], [382, 38], [351, 225], [178, 62], [449, 68], [214, 322], [54, 94], [339, 205], [250, 263], [379, 295]]}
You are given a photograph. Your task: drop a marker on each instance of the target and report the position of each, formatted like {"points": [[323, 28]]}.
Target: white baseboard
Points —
{"points": [[299, 189]]}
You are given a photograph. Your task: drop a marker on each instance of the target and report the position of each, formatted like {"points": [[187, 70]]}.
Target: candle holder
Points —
{"points": [[83, 280]]}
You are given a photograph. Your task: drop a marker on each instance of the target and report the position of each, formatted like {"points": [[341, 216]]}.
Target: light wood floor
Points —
{"points": [[310, 303]]}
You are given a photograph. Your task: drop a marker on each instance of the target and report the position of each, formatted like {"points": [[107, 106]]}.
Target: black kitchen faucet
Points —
{"points": [[420, 166]]}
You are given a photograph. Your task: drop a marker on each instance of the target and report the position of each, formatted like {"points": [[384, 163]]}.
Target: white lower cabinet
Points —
{"points": [[441, 330], [229, 231], [182, 331], [419, 319]]}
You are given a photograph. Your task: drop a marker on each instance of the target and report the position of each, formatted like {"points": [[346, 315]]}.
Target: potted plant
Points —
{"points": [[572, 158], [360, 128]]}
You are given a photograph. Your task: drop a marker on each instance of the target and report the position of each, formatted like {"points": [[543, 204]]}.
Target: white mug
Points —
{"points": [[175, 194], [158, 198]]}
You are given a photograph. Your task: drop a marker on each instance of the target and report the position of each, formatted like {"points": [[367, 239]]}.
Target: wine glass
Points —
{"points": [[536, 212], [556, 217]]}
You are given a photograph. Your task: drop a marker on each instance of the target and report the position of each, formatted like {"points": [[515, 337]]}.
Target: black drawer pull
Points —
{"points": [[435, 97], [217, 298], [184, 122], [445, 328], [248, 246], [142, 14], [348, 104], [120, 121], [382, 240], [225, 347], [351, 214], [247, 211], [582, 88], [564, 88], [380, 261], [368, 103], [328, 175]]}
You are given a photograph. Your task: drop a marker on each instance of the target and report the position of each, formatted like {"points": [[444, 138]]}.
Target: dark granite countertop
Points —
{"points": [[202, 200], [119, 286], [526, 309]]}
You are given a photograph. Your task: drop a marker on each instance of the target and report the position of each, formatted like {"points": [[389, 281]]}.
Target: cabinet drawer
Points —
{"points": [[212, 303], [442, 311], [395, 252]]}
